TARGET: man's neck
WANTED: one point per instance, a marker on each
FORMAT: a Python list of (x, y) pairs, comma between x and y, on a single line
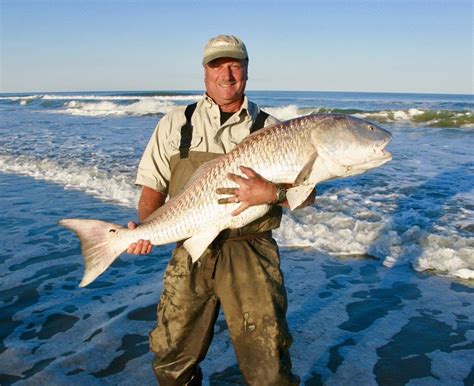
[(231, 107)]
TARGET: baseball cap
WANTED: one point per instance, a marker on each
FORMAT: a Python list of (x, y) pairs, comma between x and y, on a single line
[(224, 46)]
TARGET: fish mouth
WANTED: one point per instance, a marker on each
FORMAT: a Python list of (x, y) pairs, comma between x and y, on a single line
[(386, 155), (380, 152), (382, 157)]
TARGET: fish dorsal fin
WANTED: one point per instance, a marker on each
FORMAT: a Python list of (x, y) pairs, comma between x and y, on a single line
[(298, 194), (304, 174)]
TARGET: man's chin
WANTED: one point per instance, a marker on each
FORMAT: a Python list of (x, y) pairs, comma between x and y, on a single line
[(227, 98), (227, 93)]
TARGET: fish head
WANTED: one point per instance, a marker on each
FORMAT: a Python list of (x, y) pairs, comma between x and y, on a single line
[(350, 145)]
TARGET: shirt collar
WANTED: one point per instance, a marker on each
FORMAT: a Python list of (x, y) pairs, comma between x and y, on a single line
[(244, 108)]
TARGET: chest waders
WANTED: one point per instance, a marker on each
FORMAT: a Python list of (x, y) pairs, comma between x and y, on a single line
[(240, 271)]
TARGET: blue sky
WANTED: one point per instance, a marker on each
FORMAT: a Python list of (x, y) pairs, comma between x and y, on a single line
[(385, 46)]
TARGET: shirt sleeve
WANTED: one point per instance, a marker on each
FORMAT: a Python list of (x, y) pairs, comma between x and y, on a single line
[(154, 168)]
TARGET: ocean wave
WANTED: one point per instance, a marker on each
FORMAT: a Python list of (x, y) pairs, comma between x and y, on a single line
[(21, 100), (106, 185), (103, 105), (158, 103), (427, 118), (128, 97), (121, 97), (144, 107), (284, 113), (414, 116)]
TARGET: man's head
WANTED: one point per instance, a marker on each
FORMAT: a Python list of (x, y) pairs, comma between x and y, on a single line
[(225, 64), (224, 46)]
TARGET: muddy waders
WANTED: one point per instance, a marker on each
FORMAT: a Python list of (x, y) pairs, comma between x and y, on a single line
[(240, 272)]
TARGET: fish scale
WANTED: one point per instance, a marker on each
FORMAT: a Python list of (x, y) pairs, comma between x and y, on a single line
[(303, 152)]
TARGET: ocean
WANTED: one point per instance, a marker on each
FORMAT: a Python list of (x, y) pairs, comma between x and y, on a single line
[(379, 272)]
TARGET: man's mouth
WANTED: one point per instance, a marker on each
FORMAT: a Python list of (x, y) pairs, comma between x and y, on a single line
[(227, 84)]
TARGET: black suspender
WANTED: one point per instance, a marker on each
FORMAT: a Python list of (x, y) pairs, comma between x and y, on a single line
[(187, 132), (259, 121), (187, 129)]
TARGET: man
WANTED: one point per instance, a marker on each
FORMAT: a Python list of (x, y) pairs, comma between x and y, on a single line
[(240, 270)]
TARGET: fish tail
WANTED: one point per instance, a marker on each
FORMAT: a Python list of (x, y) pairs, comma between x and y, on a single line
[(101, 244)]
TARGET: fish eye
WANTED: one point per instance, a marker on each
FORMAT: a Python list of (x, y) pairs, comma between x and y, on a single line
[(371, 128)]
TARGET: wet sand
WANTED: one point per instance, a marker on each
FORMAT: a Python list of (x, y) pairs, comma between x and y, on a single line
[(354, 321)]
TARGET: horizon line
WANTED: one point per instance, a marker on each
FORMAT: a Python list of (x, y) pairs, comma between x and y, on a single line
[(248, 90)]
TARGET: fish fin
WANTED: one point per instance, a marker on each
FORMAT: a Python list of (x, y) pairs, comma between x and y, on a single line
[(304, 174), (197, 244), (100, 245), (298, 194)]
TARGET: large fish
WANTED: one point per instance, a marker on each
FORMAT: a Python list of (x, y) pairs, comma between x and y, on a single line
[(302, 152)]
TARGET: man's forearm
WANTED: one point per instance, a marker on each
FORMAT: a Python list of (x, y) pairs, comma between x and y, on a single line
[(150, 200)]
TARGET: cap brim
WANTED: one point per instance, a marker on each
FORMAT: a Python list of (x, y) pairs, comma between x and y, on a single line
[(223, 54)]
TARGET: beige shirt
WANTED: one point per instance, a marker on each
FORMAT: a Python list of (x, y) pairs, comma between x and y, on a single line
[(208, 136)]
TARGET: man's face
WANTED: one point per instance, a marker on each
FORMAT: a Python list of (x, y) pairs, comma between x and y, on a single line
[(225, 80)]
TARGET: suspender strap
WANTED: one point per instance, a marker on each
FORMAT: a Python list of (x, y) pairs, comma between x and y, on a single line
[(259, 121), (187, 129), (187, 132)]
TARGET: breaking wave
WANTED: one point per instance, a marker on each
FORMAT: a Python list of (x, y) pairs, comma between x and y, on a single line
[(425, 118), (104, 184), (130, 104), (433, 113)]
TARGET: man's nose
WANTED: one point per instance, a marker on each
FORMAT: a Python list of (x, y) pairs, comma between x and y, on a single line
[(227, 73)]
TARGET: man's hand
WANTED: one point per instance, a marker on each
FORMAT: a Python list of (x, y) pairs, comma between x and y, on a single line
[(150, 200), (141, 247), (253, 190)]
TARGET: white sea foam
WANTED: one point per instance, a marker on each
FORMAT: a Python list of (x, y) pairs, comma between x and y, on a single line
[(123, 97), (284, 113), (391, 115), (345, 222), (98, 183), (20, 98), (108, 108), (347, 228), (451, 254), (91, 97)]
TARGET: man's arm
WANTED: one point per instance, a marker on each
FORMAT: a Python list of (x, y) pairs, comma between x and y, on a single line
[(150, 200)]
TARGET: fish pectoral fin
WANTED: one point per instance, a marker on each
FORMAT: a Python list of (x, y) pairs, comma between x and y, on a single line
[(197, 244), (304, 174), (298, 194)]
